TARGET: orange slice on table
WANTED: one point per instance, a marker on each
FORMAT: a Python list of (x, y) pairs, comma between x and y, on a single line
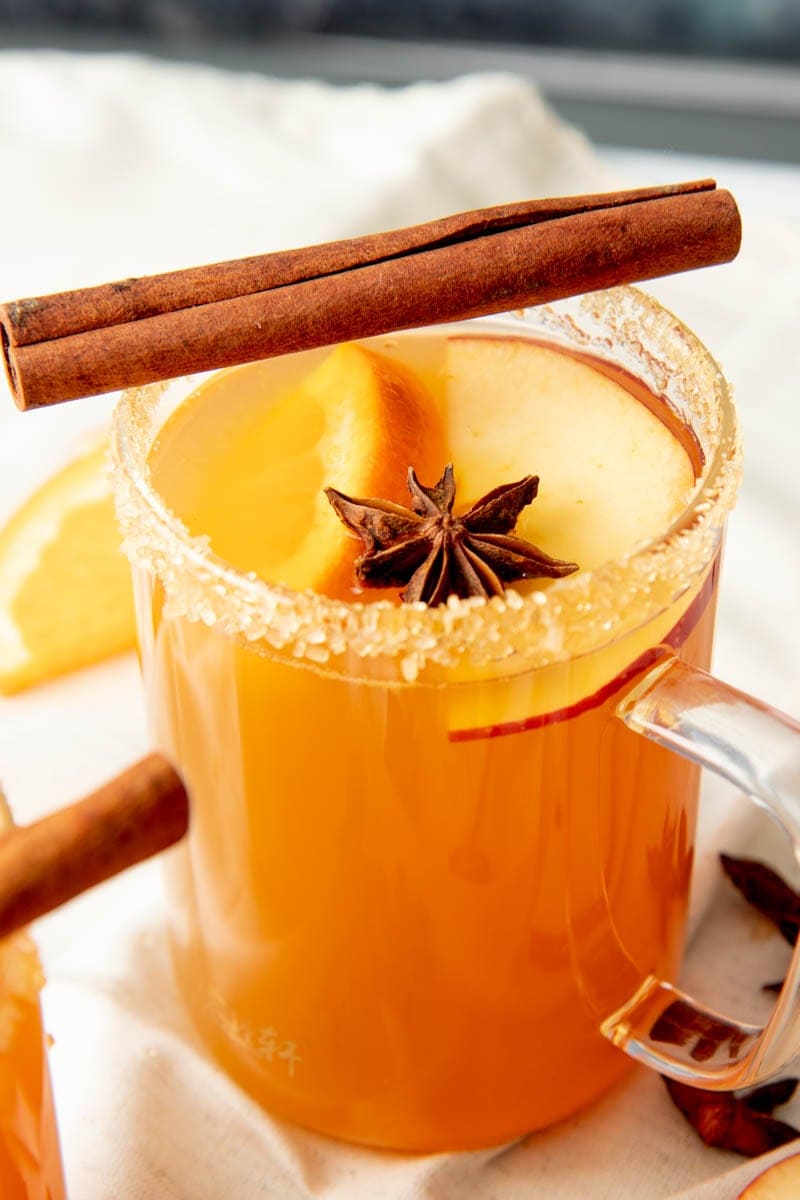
[(65, 589), (356, 423)]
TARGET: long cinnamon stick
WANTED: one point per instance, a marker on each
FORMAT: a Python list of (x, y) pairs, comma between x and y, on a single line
[(139, 813), (67, 313), (136, 331)]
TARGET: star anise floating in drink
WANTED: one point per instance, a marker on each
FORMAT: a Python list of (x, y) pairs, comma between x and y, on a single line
[(432, 553)]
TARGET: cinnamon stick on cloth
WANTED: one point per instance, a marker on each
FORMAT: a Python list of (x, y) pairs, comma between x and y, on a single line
[(491, 260), (137, 814)]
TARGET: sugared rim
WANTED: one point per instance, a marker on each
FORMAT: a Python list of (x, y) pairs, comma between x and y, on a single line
[(570, 617)]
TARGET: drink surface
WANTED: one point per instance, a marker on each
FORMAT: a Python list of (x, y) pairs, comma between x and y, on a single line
[(30, 1164), (241, 461), (403, 910)]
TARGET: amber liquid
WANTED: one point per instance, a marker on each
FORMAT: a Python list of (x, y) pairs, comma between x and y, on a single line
[(30, 1163), (402, 925)]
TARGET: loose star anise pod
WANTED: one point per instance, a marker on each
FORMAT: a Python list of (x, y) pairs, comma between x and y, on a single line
[(770, 894), (765, 890), (436, 554), (742, 1123)]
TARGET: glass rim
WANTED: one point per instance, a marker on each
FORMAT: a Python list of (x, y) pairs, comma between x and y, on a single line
[(569, 617)]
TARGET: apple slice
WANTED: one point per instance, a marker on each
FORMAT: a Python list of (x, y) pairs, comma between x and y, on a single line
[(498, 707), (611, 473), (779, 1182)]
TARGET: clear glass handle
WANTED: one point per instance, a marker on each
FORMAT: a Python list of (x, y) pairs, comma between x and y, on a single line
[(757, 748)]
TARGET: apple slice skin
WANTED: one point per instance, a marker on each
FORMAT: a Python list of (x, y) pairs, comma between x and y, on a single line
[(779, 1182), (674, 639)]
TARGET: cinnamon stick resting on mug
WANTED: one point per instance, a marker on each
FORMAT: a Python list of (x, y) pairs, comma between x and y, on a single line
[(133, 816), (491, 260)]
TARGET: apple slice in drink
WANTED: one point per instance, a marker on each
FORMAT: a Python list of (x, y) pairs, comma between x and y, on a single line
[(612, 475), (498, 707)]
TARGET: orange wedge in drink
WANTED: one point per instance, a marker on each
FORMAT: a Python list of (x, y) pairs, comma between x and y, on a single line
[(65, 590), (356, 422)]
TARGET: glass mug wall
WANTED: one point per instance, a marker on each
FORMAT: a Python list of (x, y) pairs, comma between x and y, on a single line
[(434, 869)]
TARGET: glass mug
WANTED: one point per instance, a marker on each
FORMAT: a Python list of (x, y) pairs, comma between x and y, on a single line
[(391, 926)]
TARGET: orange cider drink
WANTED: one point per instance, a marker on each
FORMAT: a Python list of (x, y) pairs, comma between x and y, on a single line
[(30, 1162), (421, 842)]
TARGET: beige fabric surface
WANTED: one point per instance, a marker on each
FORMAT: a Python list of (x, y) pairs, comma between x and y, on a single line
[(119, 166)]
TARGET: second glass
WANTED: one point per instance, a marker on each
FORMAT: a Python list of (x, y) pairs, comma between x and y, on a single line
[(30, 1160)]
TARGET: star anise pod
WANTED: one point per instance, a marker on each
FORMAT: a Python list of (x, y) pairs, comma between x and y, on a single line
[(767, 891), (770, 894), (436, 554), (743, 1122)]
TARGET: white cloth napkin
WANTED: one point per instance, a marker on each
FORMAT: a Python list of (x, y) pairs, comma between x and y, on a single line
[(116, 166)]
